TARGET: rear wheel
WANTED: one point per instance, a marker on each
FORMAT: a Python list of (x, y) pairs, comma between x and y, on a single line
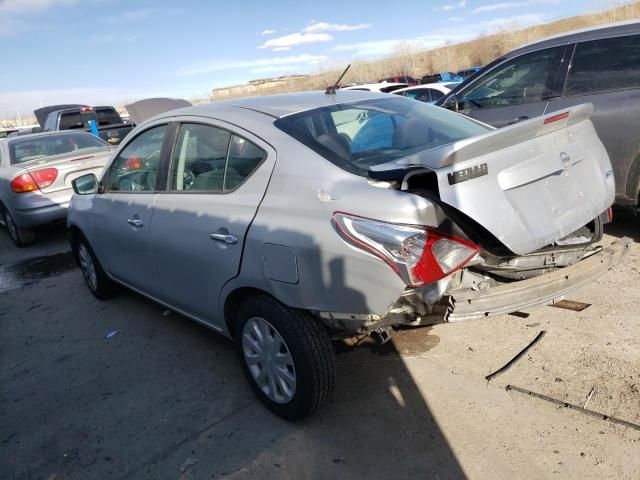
[(286, 355), (100, 285), (21, 236)]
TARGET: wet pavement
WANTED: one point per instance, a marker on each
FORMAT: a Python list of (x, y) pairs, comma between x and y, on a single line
[(26, 272)]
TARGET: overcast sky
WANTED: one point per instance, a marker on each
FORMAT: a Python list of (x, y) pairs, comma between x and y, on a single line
[(110, 51)]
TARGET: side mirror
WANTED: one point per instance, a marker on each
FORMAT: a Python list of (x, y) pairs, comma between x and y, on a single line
[(451, 103), (85, 185)]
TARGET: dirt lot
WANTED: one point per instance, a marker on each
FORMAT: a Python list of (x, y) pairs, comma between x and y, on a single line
[(165, 398)]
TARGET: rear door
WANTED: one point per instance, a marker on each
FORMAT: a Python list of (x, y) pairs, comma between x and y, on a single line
[(515, 90), (217, 178), (122, 213), (606, 73)]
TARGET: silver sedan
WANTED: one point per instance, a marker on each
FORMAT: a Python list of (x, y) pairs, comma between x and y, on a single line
[(285, 221), (36, 172)]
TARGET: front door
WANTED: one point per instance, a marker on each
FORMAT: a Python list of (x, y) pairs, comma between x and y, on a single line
[(515, 90), (216, 182), (123, 212)]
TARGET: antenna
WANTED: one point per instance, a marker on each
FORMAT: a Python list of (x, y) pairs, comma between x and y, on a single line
[(331, 90)]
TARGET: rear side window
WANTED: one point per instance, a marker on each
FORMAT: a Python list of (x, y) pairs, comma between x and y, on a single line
[(211, 159), (244, 158), (604, 65)]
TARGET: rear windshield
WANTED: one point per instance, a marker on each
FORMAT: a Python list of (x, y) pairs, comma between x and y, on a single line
[(34, 148), (357, 136)]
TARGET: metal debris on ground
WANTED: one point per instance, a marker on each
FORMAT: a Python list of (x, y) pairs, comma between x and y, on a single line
[(520, 314), (570, 305), (111, 334), (589, 397), (166, 313), (555, 401), (190, 461), (517, 357)]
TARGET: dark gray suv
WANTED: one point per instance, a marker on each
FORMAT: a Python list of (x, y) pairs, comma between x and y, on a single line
[(599, 66)]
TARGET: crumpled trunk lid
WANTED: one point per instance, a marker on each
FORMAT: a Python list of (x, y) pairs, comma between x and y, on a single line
[(529, 184)]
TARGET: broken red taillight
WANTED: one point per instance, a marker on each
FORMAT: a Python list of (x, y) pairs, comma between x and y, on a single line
[(419, 255)]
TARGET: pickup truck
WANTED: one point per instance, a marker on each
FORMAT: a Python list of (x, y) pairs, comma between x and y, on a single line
[(111, 128)]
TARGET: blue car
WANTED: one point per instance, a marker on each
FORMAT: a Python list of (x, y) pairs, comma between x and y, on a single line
[(447, 77)]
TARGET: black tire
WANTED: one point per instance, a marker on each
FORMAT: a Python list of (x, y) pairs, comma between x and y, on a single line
[(21, 237), (101, 286), (310, 350)]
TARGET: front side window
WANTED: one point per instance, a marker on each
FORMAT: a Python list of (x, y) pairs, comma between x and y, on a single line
[(604, 65), (524, 79), (355, 136), (136, 167), (211, 159)]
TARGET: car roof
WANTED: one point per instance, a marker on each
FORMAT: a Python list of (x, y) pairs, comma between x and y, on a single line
[(585, 34), (278, 106)]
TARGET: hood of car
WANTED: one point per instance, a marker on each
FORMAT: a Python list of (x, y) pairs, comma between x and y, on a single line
[(141, 110)]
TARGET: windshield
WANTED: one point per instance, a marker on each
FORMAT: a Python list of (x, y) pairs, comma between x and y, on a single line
[(38, 147), (357, 136)]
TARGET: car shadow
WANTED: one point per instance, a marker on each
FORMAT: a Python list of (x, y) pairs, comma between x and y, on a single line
[(625, 224)]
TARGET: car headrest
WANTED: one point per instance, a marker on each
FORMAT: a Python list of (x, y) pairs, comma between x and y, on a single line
[(336, 143), (411, 133)]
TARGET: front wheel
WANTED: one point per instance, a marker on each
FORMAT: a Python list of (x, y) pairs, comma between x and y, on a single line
[(286, 355), (100, 285)]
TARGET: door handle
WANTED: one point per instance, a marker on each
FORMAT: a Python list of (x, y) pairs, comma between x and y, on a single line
[(224, 238), (136, 222)]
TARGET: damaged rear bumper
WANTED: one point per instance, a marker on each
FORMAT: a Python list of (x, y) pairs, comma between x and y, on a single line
[(471, 304)]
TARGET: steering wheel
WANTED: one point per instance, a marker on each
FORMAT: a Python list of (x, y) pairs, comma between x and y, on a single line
[(153, 157)]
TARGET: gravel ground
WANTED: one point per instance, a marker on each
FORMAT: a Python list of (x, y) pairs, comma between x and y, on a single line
[(165, 398)]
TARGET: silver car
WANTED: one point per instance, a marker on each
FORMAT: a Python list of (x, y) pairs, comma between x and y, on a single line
[(285, 221), (35, 177)]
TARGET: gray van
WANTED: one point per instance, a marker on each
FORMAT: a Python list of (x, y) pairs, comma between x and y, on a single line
[(600, 66)]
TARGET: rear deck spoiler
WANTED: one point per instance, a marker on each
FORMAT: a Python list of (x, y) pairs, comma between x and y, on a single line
[(476, 146)]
